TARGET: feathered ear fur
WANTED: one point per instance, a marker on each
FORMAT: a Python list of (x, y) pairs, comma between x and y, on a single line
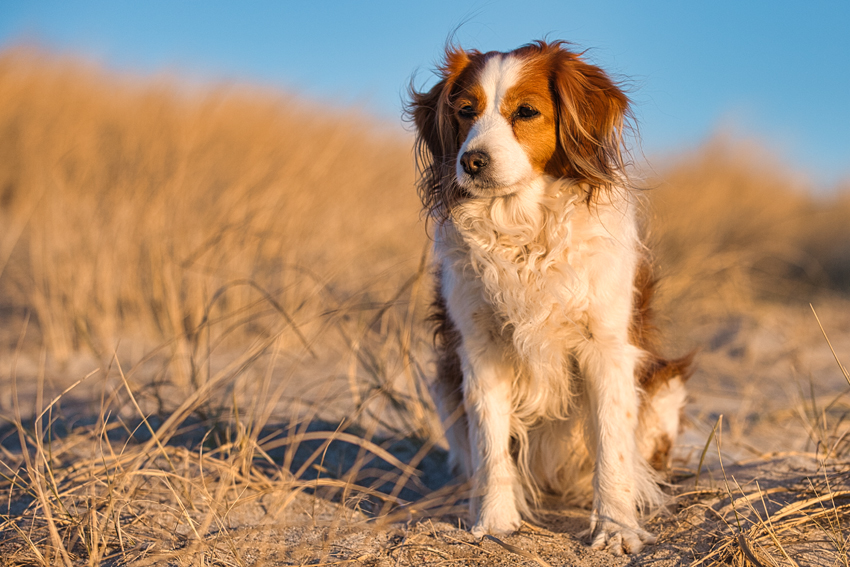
[(591, 114), (436, 136)]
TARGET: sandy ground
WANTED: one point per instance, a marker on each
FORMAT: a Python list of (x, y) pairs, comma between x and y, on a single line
[(698, 523), (699, 528), (767, 373)]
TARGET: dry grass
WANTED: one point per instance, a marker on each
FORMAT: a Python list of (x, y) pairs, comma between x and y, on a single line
[(128, 489), (142, 211), (239, 276), (733, 227)]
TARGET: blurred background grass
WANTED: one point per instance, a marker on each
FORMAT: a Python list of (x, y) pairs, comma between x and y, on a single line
[(126, 207), (139, 210)]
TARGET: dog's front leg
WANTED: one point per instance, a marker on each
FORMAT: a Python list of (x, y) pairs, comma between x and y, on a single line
[(487, 382), (621, 479), (488, 376)]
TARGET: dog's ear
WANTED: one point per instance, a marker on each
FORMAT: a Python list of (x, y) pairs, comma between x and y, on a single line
[(591, 113), (431, 111), (427, 111), (436, 131)]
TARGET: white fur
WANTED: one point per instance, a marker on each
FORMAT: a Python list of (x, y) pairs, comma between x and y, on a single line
[(537, 282)]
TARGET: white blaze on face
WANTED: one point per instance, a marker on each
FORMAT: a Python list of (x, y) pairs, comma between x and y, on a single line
[(493, 134)]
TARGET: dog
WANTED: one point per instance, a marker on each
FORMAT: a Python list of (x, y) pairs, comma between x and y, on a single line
[(549, 378)]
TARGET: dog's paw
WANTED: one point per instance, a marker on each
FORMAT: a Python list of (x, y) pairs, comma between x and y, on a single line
[(619, 539), (500, 522)]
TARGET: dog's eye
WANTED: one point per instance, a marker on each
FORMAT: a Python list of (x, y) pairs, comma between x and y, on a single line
[(525, 112), (467, 111)]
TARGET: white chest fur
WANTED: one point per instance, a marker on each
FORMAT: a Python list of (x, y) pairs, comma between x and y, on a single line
[(524, 270)]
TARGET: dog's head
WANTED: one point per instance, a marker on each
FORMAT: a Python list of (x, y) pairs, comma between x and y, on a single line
[(495, 122)]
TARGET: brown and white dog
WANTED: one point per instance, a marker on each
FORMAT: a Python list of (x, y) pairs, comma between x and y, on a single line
[(549, 378)]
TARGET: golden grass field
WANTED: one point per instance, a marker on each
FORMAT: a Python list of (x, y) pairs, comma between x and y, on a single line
[(212, 303)]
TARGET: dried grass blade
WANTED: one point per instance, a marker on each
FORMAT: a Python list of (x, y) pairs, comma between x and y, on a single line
[(330, 436), (742, 543), (822, 330), (705, 450), (519, 551)]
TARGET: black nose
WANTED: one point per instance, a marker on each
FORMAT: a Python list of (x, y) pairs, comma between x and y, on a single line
[(474, 162)]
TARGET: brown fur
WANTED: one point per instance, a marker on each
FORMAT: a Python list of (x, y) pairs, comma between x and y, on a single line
[(446, 342), (448, 383), (655, 370), (539, 136)]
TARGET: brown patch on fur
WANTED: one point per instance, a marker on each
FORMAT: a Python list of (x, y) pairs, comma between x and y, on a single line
[(467, 91), (655, 371), (592, 111), (441, 130), (661, 454), (437, 134), (448, 383), (537, 135)]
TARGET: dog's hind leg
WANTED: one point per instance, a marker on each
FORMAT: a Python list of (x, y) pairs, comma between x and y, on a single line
[(662, 381), (660, 414)]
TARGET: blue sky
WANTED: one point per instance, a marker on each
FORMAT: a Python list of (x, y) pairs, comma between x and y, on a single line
[(778, 71)]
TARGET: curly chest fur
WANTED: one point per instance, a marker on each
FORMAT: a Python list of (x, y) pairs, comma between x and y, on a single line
[(526, 273)]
